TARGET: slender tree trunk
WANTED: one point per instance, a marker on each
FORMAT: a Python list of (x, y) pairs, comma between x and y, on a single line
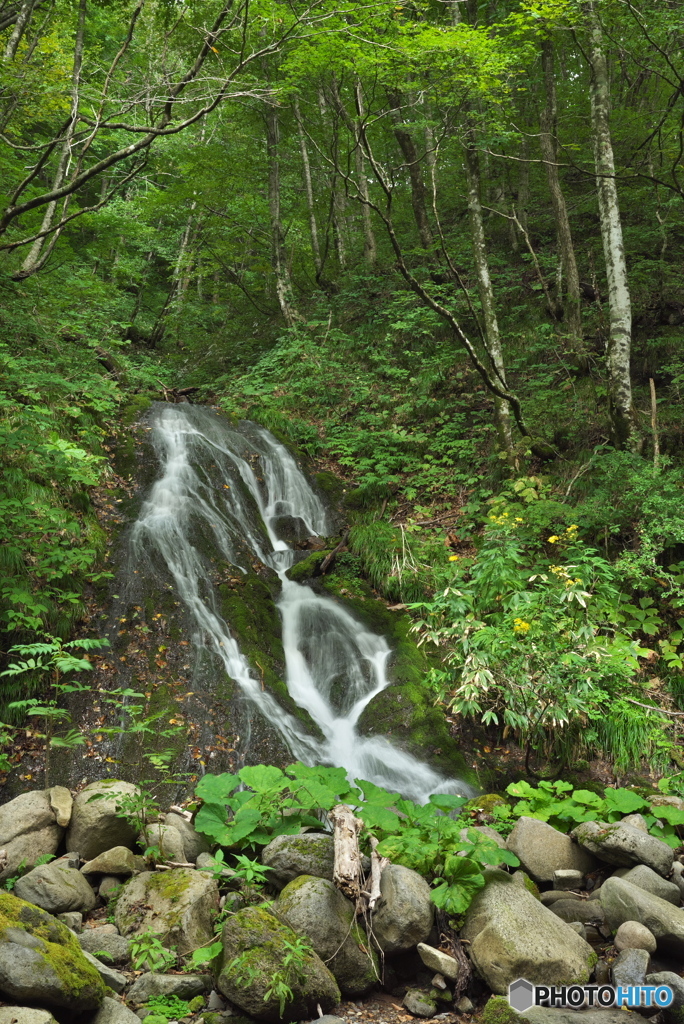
[(486, 293), (308, 186), (410, 154), (619, 304), (40, 251), (278, 256), (182, 268), (547, 140), (17, 33), (370, 251)]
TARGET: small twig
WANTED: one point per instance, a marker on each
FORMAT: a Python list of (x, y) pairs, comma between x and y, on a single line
[(650, 707)]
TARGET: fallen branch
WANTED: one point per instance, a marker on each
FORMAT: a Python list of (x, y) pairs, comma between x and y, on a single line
[(347, 872), (378, 864)]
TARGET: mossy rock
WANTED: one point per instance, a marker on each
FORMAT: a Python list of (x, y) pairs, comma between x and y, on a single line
[(499, 1011), (41, 960), (177, 905), (255, 945), (486, 803)]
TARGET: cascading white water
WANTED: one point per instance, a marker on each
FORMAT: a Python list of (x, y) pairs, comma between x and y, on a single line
[(334, 666)]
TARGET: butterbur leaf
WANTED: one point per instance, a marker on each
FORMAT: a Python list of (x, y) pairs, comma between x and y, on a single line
[(447, 801), (244, 823), (673, 815), (378, 817), (211, 821), (373, 794), (263, 777), (215, 789), (624, 801)]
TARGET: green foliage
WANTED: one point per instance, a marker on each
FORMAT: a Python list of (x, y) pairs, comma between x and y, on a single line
[(167, 1007), (426, 839), (149, 954), (297, 954)]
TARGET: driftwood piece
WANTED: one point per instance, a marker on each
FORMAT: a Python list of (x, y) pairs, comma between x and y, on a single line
[(347, 874), (329, 559), (378, 864)]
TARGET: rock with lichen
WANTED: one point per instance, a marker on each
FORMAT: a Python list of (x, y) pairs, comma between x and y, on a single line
[(176, 905)]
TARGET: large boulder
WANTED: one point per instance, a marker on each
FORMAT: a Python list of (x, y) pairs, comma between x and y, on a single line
[(646, 878), (623, 901), (177, 905), (193, 842), (624, 845), (57, 888), (511, 935), (24, 1015), (30, 828), (41, 961), (543, 850), (112, 949), (184, 986), (404, 913), (290, 856), (96, 821), (114, 1012), (316, 908), (118, 861), (166, 839), (255, 944)]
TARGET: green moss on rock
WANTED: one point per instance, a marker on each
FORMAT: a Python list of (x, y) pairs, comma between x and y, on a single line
[(498, 1011)]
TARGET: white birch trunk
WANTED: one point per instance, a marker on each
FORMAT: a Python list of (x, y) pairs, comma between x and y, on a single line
[(619, 344)]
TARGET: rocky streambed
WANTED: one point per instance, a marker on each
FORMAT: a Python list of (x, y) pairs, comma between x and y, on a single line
[(602, 904)]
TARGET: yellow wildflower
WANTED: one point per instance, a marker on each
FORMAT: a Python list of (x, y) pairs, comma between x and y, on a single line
[(554, 539), (454, 558), (518, 519), (520, 626)]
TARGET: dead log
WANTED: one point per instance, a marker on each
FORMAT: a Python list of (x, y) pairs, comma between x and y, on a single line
[(329, 559), (347, 873), (378, 864)]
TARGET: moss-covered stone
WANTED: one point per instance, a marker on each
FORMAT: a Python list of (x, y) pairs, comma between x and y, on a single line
[(41, 961), (176, 905), (486, 803), (253, 964), (498, 1011)]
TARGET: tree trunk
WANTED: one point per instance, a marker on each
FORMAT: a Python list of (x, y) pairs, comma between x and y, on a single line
[(278, 257), (410, 154), (619, 304), (39, 253), (370, 250), (20, 24), (306, 166), (486, 293), (547, 141)]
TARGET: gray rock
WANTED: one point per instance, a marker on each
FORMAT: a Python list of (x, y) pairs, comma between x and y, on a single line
[(512, 936), (41, 961), (23, 1015), (185, 986), (316, 908), (72, 919), (178, 905), (96, 825), (586, 911), (109, 886), (483, 830), (194, 842), (28, 830), (623, 902), (553, 895), (630, 967), (420, 1002), (113, 979), (439, 982), (632, 935), (117, 861), (404, 913), (116, 948), (329, 1018), (578, 927), (206, 862), (548, 1015), (675, 982), (464, 1005), (666, 800), (259, 937), (542, 850), (56, 888), (624, 845), (290, 856), (567, 878), (167, 839), (113, 1012), (647, 879), (636, 821), (215, 1002), (436, 960)]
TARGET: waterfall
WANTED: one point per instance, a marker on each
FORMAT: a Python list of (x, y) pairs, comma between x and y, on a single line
[(239, 487)]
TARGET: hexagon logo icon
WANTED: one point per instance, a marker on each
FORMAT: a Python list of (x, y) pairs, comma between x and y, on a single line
[(521, 994)]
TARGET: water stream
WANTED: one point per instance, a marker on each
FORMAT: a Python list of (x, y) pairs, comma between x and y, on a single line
[(241, 487)]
